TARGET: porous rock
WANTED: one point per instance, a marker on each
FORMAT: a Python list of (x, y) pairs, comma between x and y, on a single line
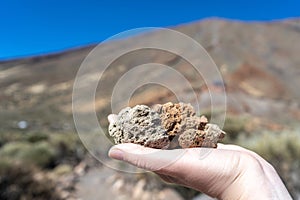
[(139, 125), (165, 125)]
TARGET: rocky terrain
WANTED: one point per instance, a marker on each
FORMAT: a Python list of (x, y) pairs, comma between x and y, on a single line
[(260, 65)]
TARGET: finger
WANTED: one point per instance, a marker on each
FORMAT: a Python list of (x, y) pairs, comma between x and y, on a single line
[(147, 158)]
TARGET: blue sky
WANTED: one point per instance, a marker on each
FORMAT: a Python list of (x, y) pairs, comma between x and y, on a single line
[(32, 27)]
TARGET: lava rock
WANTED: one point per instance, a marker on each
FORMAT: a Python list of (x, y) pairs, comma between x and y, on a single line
[(164, 126), (139, 125)]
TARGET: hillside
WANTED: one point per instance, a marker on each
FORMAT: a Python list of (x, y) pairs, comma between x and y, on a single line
[(260, 63)]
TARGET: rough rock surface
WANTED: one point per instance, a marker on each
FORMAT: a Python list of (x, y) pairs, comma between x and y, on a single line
[(167, 125), (139, 125)]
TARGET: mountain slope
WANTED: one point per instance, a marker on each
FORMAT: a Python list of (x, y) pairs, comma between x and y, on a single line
[(258, 61)]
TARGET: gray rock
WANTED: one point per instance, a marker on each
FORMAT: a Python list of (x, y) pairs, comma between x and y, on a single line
[(139, 125)]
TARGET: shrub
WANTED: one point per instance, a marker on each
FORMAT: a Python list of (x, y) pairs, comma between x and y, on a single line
[(35, 137), (13, 136), (40, 153), (234, 125), (24, 182), (277, 147), (43, 149), (6, 137), (68, 147)]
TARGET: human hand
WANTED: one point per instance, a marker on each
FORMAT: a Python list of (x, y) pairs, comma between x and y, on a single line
[(228, 172)]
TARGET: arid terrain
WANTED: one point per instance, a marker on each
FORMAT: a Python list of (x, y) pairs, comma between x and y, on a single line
[(260, 65)]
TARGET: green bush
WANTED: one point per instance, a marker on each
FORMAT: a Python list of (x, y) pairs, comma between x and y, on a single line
[(13, 136), (20, 182), (68, 147), (35, 137), (235, 125), (6, 137), (23, 155), (40, 153), (277, 147), (43, 149)]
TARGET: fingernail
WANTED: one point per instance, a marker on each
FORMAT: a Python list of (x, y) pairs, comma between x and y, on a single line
[(116, 154)]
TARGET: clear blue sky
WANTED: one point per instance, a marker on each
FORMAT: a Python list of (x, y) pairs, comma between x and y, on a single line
[(31, 27)]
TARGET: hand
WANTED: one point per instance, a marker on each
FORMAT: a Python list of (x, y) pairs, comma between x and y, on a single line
[(228, 172)]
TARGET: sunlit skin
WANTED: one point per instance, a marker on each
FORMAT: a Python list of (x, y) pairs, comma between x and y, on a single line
[(227, 172)]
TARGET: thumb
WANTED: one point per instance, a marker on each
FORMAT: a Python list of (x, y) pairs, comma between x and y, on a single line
[(146, 158)]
